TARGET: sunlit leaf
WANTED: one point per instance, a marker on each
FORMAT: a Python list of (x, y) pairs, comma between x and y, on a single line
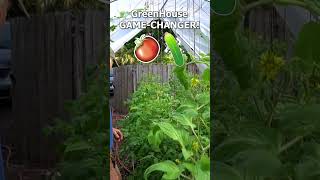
[(189, 166), (186, 154), (185, 119), (170, 131), (206, 75), (186, 106), (170, 169), (177, 135), (205, 163), (201, 173), (154, 138)]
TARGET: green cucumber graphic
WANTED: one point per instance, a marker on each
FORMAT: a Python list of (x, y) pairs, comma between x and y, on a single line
[(175, 49)]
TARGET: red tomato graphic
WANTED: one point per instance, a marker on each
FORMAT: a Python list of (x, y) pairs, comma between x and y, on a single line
[(147, 49)]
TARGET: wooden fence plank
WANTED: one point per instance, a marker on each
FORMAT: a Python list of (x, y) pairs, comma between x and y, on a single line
[(52, 81), (36, 63)]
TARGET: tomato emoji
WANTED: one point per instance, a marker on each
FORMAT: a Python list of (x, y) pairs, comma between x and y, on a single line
[(147, 48)]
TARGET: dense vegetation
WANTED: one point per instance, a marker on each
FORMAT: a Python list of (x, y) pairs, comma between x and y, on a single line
[(84, 151), (266, 114), (167, 129), (266, 123)]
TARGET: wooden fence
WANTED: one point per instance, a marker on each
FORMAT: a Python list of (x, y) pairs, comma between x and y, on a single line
[(127, 78), (49, 56), (266, 22), (273, 22), (278, 23)]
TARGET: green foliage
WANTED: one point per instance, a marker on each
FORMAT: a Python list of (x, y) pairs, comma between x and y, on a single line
[(112, 28), (152, 102), (166, 58), (227, 36), (270, 129), (125, 56), (171, 170), (175, 121), (182, 76), (188, 125), (229, 47), (84, 134), (307, 45)]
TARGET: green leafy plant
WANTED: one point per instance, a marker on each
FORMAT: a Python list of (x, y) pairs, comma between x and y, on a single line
[(166, 58), (156, 106), (188, 126), (151, 103), (266, 124), (84, 135), (227, 33)]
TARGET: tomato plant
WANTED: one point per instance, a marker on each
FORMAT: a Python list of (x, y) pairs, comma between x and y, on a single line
[(188, 125), (266, 123), (168, 127), (150, 103)]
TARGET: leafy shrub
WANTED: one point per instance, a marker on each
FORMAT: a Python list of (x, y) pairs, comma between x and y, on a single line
[(266, 128), (187, 126), (84, 134), (168, 127), (151, 103), (154, 108)]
